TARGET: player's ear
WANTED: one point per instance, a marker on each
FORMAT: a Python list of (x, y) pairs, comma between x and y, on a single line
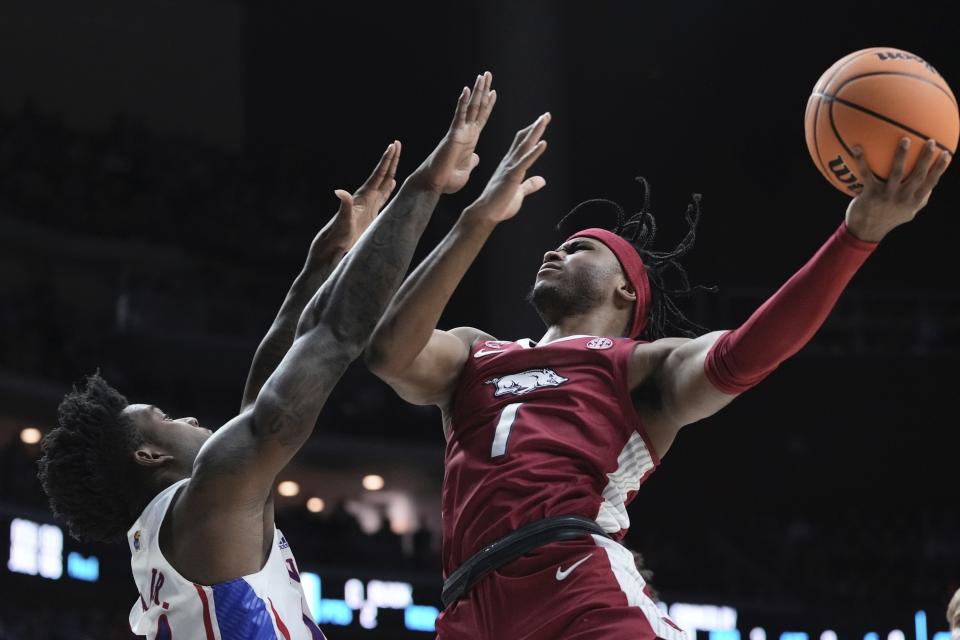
[(626, 295), (148, 455)]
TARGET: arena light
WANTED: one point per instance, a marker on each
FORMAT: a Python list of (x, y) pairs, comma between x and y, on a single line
[(35, 549), (390, 595), (315, 505), (288, 488), (335, 612), (373, 482), (758, 633), (80, 568), (30, 435), (828, 635), (354, 594), (368, 616), (896, 634), (704, 617), (920, 625), (420, 618)]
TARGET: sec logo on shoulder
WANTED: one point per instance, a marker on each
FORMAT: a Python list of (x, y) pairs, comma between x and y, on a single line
[(600, 343)]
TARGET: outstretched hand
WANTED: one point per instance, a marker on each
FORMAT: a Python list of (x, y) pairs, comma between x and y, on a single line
[(883, 206), (358, 210), (448, 167), (508, 186)]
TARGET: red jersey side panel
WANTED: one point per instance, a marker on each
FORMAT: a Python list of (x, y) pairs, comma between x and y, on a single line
[(540, 432)]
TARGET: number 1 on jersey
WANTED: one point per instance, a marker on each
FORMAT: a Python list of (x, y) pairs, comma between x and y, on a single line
[(502, 432)]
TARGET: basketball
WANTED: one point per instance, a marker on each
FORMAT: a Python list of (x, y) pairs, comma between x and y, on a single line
[(872, 98)]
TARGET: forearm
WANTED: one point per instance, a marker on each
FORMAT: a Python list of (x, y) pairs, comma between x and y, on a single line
[(353, 299), (409, 322), (324, 256), (785, 323)]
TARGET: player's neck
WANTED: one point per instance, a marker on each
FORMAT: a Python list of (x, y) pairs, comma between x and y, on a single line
[(592, 324)]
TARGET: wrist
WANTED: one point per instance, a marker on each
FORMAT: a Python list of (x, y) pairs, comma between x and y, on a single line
[(479, 217), (421, 180), (865, 231), (326, 249)]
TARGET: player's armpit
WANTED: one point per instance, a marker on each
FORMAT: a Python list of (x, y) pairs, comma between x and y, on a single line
[(674, 369), (432, 376)]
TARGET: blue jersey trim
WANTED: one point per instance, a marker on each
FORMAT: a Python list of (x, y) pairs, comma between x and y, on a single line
[(241, 614)]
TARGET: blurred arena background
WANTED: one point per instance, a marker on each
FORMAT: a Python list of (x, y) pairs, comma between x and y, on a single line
[(165, 164)]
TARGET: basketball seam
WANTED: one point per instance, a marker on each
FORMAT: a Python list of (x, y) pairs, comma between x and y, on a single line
[(880, 116), (836, 133), (953, 98), (816, 139)]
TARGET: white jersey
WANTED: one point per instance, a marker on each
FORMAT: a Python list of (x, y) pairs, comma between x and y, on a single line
[(266, 605)]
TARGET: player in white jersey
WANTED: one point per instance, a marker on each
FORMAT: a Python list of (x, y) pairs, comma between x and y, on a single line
[(197, 507)]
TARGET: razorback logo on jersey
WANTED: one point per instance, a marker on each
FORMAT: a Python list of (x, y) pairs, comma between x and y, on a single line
[(518, 384), (600, 343)]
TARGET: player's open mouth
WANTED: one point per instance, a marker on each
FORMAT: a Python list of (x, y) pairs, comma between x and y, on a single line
[(548, 267)]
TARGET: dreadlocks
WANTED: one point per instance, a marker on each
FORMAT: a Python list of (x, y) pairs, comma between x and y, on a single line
[(640, 230), (87, 466)]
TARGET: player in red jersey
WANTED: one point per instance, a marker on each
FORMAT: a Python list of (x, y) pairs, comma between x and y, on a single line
[(548, 441)]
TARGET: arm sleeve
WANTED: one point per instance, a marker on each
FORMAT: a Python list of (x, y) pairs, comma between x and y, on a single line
[(785, 323)]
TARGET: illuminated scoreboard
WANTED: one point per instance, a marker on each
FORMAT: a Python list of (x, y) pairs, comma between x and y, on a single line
[(37, 550), (371, 605)]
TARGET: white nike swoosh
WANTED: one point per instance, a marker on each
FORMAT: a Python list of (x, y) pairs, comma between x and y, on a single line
[(484, 352), (562, 575)]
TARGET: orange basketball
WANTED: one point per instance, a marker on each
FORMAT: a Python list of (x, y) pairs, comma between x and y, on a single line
[(872, 98)]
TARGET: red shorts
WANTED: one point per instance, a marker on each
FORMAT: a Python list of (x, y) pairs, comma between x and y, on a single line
[(572, 590)]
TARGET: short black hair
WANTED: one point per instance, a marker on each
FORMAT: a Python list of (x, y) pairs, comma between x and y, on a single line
[(87, 467), (666, 318)]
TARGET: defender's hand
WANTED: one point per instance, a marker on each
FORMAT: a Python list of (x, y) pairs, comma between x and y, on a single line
[(448, 168), (508, 186), (358, 211), (883, 206)]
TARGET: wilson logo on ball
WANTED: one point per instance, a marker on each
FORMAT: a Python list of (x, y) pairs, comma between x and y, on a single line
[(844, 175)]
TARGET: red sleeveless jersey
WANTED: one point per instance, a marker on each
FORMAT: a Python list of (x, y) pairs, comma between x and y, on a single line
[(538, 432)]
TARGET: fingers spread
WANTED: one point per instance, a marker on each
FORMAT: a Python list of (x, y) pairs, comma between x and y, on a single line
[(473, 108), (534, 133), (346, 200), (924, 163), (867, 178), (933, 176), (394, 160), (531, 156), (899, 162), (486, 108), (533, 184), (460, 115)]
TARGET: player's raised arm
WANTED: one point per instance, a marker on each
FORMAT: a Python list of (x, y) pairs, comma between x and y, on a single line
[(355, 214), (700, 376), (406, 351), (245, 455)]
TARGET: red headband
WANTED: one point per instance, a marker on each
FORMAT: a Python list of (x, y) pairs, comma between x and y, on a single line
[(633, 269)]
